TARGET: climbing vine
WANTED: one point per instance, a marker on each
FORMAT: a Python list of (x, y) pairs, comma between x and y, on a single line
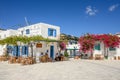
[(24, 39)]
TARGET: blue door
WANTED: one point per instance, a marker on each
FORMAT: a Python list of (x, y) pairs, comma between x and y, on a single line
[(15, 51), (9, 50), (18, 51), (52, 52), (25, 50)]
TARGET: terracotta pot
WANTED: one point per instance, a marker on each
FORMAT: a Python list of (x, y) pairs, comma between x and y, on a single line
[(115, 58), (76, 57), (118, 57), (43, 59)]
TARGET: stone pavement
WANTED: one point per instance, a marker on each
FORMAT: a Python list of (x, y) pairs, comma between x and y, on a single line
[(66, 70)]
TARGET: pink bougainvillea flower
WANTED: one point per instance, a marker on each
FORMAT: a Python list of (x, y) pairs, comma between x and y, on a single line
[(87, 41)]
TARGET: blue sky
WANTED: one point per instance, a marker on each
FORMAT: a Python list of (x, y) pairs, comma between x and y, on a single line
[(75, 17)]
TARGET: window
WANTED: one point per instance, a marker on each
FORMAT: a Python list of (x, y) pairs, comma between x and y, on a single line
[(97, 47), (22, 32), (112, 49), (27, 31), (51, 32), (75, 42)]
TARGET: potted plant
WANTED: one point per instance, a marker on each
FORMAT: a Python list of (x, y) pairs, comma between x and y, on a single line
[(66, 55)]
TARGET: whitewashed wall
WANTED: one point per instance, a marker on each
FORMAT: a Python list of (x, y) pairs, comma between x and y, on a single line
[(3, 48), (118, 51), (34, 30), (101, 51), (44, 31), (8, 33), (40, 29), (45, 46)]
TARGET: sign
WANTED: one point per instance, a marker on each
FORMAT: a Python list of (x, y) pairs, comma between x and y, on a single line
[(39, 45)]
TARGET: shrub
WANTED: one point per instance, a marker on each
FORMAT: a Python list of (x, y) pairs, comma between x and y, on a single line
[(66, 54)]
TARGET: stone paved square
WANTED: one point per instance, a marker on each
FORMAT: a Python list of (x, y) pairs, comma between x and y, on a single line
[(66, 70)]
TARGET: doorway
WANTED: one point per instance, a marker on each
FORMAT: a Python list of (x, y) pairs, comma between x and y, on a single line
[(52, 52)]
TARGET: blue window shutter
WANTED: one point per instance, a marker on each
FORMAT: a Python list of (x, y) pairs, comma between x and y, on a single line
[(55, 33), (14, 50), (27, 31), (48, 31), (9, 50), (26, 50), (97, 47), (18, 50), (23, 50), (112, 49)]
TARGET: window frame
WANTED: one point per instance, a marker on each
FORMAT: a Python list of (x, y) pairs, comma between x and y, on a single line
[(51, 32), (112, 49), (27, 31)]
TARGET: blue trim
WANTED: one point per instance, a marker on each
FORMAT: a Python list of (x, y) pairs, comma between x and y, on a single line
[(23, 50), (9, 49), (27, 31), (18, 51), (51, 32), (48, 31), (15, 51), (97, 47), (54, 33), (26, 50), (52, 52), (112, 48)]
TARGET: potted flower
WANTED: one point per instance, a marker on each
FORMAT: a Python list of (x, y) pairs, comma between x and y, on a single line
[(66, 55)]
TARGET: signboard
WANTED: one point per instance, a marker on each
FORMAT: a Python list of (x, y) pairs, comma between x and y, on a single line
[(39, 45)]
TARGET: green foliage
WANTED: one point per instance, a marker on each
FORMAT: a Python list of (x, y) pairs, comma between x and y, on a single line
[(68, 37), (14, 39), (66, 54)]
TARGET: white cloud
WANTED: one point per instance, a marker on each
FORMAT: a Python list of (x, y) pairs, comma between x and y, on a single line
[(113, 7), (91, 11)]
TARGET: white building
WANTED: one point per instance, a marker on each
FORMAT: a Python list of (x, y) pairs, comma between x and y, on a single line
[(41, 29), (109, 52), (73, 48), (8, 33)]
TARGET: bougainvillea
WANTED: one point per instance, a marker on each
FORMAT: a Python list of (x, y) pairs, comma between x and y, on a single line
[(62, 46), (87, 42)]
